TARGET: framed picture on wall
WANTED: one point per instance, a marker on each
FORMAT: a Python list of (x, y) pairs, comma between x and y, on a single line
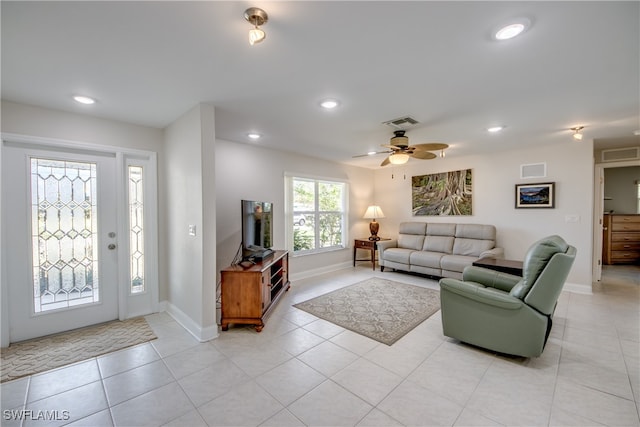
[(447, 193), (540, 195)]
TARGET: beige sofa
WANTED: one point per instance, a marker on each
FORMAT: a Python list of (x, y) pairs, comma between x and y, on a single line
[(438, 249)]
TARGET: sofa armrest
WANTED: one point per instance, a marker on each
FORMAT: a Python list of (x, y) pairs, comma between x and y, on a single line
[(490, 278), (382, 246), (480, 294), (497, 253)]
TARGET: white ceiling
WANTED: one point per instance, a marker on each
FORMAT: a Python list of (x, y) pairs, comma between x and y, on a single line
[(150, 62)]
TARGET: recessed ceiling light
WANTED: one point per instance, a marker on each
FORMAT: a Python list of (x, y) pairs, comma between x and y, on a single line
[(329, 104), (494, 129), (509, 32), (254, 135), (371, 153), (84, 100), (513, 29)]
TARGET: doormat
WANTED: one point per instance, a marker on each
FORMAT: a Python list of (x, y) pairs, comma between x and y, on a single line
[(377, 308), (53, 351)]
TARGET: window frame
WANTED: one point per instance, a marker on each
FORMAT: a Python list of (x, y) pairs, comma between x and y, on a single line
[(290, 212)]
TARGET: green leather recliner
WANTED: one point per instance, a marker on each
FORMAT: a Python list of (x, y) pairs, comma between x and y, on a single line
[(507, 313)]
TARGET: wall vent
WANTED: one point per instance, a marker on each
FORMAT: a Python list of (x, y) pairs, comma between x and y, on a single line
[(401, 123), (533, 170), (620, 154)]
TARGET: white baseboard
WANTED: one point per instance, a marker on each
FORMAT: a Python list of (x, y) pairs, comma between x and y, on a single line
[(577, 288), (322, 270), (201, 334)]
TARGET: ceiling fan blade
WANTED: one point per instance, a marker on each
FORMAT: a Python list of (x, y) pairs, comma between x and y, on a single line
[(372, 154), (423, 155), (385, 162), (434, 146), (393, 147)]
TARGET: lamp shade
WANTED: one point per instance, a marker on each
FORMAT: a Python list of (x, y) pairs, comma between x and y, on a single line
[(373, 211), (256, 35)]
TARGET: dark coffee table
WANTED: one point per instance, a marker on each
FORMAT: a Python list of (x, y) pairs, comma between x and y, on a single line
[(503, 265)]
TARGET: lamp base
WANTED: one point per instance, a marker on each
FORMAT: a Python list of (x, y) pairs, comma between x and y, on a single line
[(373, 228)]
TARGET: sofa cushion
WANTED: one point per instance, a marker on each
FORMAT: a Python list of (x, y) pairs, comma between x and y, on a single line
[(456, 262), (426, 259), (425, 270), (471, 247), (442, 244), (413, 228), (441, 229), (476, 231), (411, 241), (400, 255)]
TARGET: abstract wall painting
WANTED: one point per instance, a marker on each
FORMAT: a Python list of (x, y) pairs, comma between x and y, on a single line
[(442, 194)]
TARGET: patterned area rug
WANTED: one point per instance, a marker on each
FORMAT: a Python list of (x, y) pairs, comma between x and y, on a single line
[(41, 354), (380, 309)]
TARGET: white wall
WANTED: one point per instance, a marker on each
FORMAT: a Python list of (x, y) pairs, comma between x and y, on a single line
[(251, 172), (54, 124), (189, 190), (570, 166)]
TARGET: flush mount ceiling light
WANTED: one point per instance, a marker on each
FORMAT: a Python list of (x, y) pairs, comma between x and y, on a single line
[(513, 29), (84, 100), (576, 132), (329, 104), (256, 17)]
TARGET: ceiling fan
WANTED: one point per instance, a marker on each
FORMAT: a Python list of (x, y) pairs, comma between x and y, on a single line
[(400, 150)]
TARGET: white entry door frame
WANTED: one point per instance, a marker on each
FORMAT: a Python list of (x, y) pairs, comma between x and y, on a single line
[(128, 225)]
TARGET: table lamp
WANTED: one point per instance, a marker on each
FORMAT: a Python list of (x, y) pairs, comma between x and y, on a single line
[(374, 212)]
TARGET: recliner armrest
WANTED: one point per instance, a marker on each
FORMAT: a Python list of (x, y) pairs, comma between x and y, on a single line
[(490, 278), (479, 293)]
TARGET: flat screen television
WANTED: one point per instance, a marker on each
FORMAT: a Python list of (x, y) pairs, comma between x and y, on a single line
[(257, 229)]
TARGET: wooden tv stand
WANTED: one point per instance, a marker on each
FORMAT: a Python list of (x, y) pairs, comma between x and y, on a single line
[(249, 294)]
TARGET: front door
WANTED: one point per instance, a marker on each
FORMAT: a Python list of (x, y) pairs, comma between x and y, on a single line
[(61, 239)]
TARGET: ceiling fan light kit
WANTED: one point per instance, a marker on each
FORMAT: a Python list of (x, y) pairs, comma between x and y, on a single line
[(398, 158)]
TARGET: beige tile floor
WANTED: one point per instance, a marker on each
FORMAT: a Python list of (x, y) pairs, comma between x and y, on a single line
[(301, 370)]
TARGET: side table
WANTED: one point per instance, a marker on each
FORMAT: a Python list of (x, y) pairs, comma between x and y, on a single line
[(503, 265), (369, 245)]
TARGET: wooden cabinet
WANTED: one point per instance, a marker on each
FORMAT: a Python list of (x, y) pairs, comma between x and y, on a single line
[(621, 237), (248, 294)]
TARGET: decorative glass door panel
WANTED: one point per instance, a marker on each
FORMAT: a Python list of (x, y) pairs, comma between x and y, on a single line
[(136, 229), (62, 268), (64, 234)]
